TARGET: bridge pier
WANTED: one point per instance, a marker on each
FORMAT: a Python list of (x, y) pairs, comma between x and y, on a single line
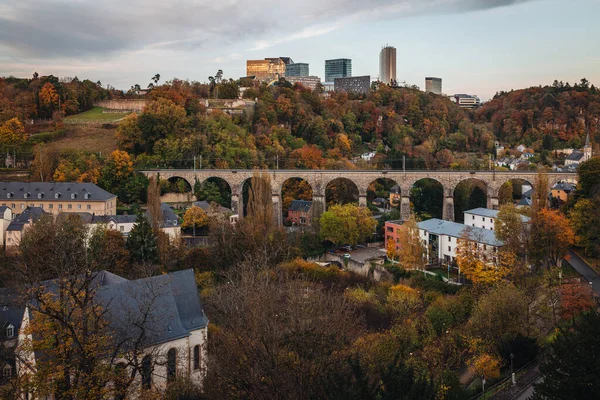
[(493, 202), (448, 208), (237, 205), (362, 200), (405, 208), (277, 209), (319, 206)]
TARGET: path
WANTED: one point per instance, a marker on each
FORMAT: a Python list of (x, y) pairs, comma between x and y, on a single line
[(585, 270)]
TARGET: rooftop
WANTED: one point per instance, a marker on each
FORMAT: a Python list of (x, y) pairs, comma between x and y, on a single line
[(487, 212), (59, 191), (439, 227), (300, 205)]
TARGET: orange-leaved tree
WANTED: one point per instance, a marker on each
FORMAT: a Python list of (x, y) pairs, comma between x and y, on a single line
[(412, 253), (551, 237), (476, 263)]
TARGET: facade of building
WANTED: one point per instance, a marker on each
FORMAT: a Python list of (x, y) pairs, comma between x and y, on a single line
[(387, 64), (300, 212), (121, 223), (170, 221), (441, 238), (578, 156), (392, 232), (561, 191), (338, 68), (6, 217), (268, 69), (16, 229), (164, 311), (485, 218), (55, 198), (433, 85), (297, 69), (310, 82), (466, 100), (353, 84)]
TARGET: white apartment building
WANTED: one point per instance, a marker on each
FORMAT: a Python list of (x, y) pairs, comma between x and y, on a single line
[(484, 218), (441, 239)]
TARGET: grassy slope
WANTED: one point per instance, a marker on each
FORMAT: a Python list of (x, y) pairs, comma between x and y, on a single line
[(96, 114), (92, 138)]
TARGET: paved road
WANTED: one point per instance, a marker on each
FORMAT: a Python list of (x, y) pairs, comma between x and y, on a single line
[(588, 273), (527, 392)]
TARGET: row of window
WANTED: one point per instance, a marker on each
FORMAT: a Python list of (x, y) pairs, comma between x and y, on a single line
[(50, 206), (147, 366)]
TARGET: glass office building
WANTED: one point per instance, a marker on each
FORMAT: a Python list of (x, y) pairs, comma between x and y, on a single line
[(338, 68), (296, 69)]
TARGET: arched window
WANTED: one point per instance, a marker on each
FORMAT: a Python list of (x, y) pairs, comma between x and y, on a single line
[(7, 372), (10, 331), (196, 357), (171, 365), (147, 372)]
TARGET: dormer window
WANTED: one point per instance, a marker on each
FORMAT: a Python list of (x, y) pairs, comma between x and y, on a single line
[(57, 195), (10, 331), (9, 195), (40, 195), (87, 196), (73, 195), (27, 195)]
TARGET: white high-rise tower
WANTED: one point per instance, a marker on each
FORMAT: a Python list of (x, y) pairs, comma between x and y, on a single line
[(387, 64)]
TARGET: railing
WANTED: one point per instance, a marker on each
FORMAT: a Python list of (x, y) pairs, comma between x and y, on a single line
[(501, 384)]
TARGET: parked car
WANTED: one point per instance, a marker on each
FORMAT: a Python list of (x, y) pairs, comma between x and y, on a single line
[(346, 248)]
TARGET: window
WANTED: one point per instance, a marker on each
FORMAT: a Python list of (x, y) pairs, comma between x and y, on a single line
[(69, 206), (10, 331), (483, 218), (7, 372), (449, 239), (147, 372), (484, 247), (51, 206), (79, 206), (122, 228), (196, 357), (60, 206), (449, 248), (472, 217), (22, 206), (171, 365), (42, 206), (89, 207), (13, 205), (390, 229)]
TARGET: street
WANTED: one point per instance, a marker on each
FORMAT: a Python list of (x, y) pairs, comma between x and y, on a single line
[(585, 270)]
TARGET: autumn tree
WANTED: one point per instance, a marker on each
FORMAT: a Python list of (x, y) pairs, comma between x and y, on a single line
[(347, 224), (260, 201), (48, 96), (129, 134), (12, 133), (585, 221), (412, 253), (540, 194), (390, 248), (551, 237), (575, 299), (476, 263), (108, 247), (505, 194), (511, 228), (308, 157), (194, 217)]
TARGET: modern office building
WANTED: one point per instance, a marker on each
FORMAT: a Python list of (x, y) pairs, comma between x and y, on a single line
[(287, 60), (353, 84), (296, 69), (387, 64), (307, 81), (266, 70), (338, 68), (433, 85), (466, 100)]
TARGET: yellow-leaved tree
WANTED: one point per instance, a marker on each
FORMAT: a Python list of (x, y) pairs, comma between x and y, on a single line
[(391, 249), (476, 263), (412, 253), (347, 224), (12, 133), (194, 217)]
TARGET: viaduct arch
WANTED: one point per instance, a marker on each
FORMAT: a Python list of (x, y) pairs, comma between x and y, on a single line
[(319, 179)]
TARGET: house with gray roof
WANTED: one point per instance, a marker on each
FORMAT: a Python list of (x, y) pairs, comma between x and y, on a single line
[(169, 223), (16, 229), (300, 212), (57, 197), (442, 238), (485, 218), (161, 318)]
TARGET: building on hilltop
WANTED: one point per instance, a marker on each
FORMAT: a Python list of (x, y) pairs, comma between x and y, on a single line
[(297, 69), (579, 156), (353, 84), (158, 322), (337, 68), (268, 69), (310, 82), (466, 100), (433, 85), (57, 197), (387, 64)]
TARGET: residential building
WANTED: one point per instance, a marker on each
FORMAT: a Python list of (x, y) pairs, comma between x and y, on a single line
[(485, 218), (296, 69), (121, 223), (16, 229), (268, 69), (526, 198), (561, 191), (441, 239), (368, 156), (57, 197), (337, 68), (310, 82), (169, 223), (433, 85), (300, 212), (466, 100), (11, 315), (161, 317), (353, 84), (6, 217), (392, 232), (387, 64), (521, 148)]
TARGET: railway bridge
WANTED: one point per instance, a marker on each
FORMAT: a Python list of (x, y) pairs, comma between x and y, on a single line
[(319, 179)]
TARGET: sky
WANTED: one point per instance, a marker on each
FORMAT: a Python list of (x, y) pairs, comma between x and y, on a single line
[(476, 46)]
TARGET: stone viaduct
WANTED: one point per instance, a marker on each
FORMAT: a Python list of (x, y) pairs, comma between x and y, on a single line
[(319, 179)]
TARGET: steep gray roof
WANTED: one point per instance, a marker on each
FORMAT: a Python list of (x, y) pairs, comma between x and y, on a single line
[(454, 229), (119, 219), (576, 155), (300, 205), (29, 214), (49, 190), (11, 309), (565, 186), (169, 216), (487, 212)]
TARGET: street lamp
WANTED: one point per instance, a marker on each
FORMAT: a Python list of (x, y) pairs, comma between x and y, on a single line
[(512, 375)]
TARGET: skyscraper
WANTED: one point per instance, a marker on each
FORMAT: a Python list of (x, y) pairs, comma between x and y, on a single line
[(387, 64), (433, 85), (338, 68)]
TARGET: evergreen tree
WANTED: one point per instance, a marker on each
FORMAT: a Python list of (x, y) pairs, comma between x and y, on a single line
[(571, 369), (141, 243)]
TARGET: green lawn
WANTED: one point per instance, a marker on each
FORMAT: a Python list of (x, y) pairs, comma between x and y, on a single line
[(96, 114)]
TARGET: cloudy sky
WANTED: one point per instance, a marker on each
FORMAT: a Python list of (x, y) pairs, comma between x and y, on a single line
[(476, 46)]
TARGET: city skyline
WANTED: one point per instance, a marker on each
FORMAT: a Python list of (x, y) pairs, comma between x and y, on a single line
[(475, 48)]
